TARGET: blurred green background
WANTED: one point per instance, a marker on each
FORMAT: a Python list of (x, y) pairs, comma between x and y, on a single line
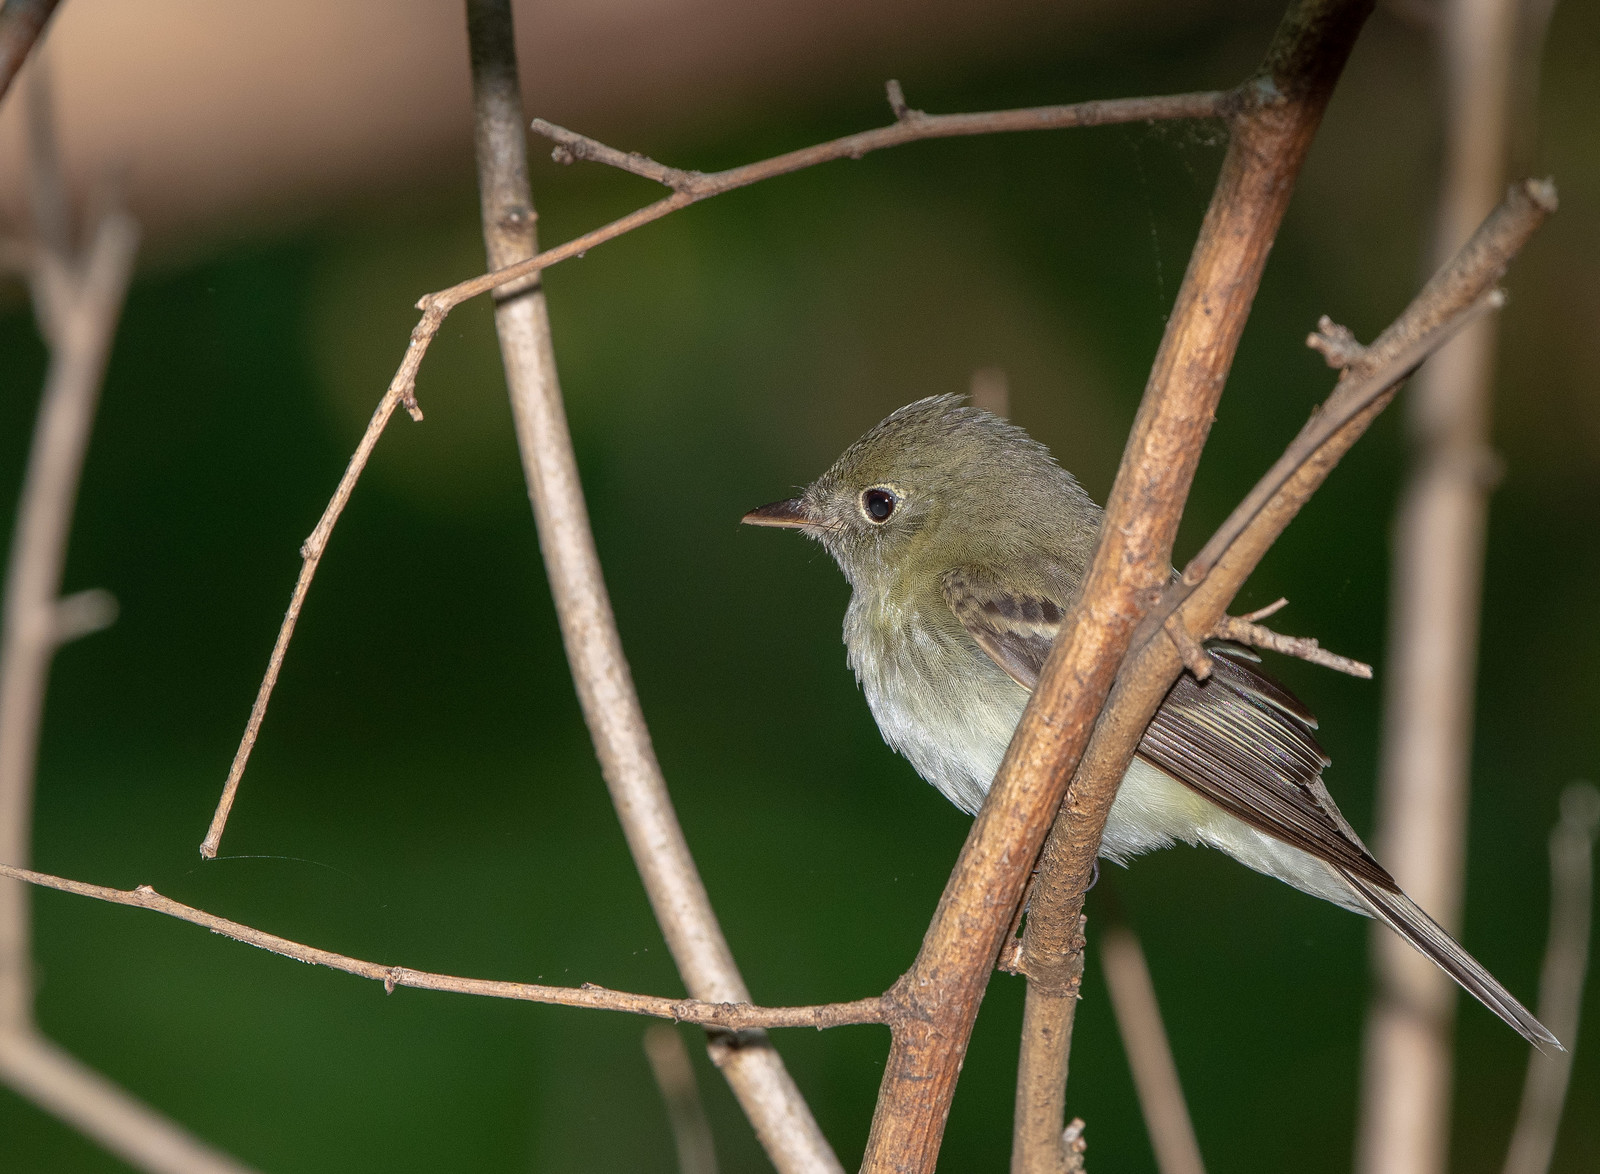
[(424, 792)]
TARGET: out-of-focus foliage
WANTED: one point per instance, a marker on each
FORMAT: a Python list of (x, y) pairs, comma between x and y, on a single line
[(424, 792)]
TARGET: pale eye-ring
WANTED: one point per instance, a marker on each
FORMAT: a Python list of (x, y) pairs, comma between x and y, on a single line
[(878, 503)]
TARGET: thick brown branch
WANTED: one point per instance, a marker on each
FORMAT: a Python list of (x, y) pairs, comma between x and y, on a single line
[(729, 1016), (1066, 863)]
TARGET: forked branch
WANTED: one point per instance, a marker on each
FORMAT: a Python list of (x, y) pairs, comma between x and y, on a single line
[(1458, 293), (689, 187)]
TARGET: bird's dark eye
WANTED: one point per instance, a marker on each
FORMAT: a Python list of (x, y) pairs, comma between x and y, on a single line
[(879, 504)]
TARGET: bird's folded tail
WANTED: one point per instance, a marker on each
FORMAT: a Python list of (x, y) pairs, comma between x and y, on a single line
[(1406, 918)]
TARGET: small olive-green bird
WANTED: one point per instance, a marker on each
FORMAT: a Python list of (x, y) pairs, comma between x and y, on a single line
[(964, 544)]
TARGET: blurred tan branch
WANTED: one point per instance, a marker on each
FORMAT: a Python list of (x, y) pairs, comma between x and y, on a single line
[(1144, 1039), (1436, 584), (729, 1016), (1561, 981), (78, 297), (674, 1073)]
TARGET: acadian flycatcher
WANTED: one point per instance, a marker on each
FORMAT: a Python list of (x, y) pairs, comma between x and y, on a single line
[(965, 544)]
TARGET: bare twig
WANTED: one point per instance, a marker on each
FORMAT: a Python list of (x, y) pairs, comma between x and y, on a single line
[(688, 188), (1561, 982), (610, 704), (1335, 343), (1439, 536), (734, 1015), (21, 24), (909, 126), (1144, 1039), (311, 552), (1240, 630), (1066, 862), (691, 1132)]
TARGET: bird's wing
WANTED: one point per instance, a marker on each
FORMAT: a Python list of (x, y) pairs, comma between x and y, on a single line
[(1239, 738), (1015, 629)]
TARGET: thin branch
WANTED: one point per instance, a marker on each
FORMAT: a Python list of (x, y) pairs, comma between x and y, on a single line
[(1561, 981), (727, 1016), (1065, 865), (680, 1093), (909, 126), (21, 24), (311, 552), (1242, 631), (1439, 536), (689, 188), (1144, 1039), (755, 1072)]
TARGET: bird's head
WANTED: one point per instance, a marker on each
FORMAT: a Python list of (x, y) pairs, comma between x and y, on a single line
[(936, 484)]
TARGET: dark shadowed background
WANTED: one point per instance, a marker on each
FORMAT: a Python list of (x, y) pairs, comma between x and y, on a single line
[(424, 792)]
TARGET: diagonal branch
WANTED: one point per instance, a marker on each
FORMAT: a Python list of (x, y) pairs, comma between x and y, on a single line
[(737, 1015), (1144, 1039), (690, 188), (1066, 863), (686, 1115)]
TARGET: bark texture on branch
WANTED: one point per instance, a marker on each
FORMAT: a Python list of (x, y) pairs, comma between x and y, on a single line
[(1269, 140), (1435, 593), (754, 1070), (1457, 293)]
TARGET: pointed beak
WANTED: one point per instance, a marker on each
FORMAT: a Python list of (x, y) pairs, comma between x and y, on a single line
[(790, 514)]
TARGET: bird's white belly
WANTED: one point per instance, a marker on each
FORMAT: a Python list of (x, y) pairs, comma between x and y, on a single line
[(957, 740)]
